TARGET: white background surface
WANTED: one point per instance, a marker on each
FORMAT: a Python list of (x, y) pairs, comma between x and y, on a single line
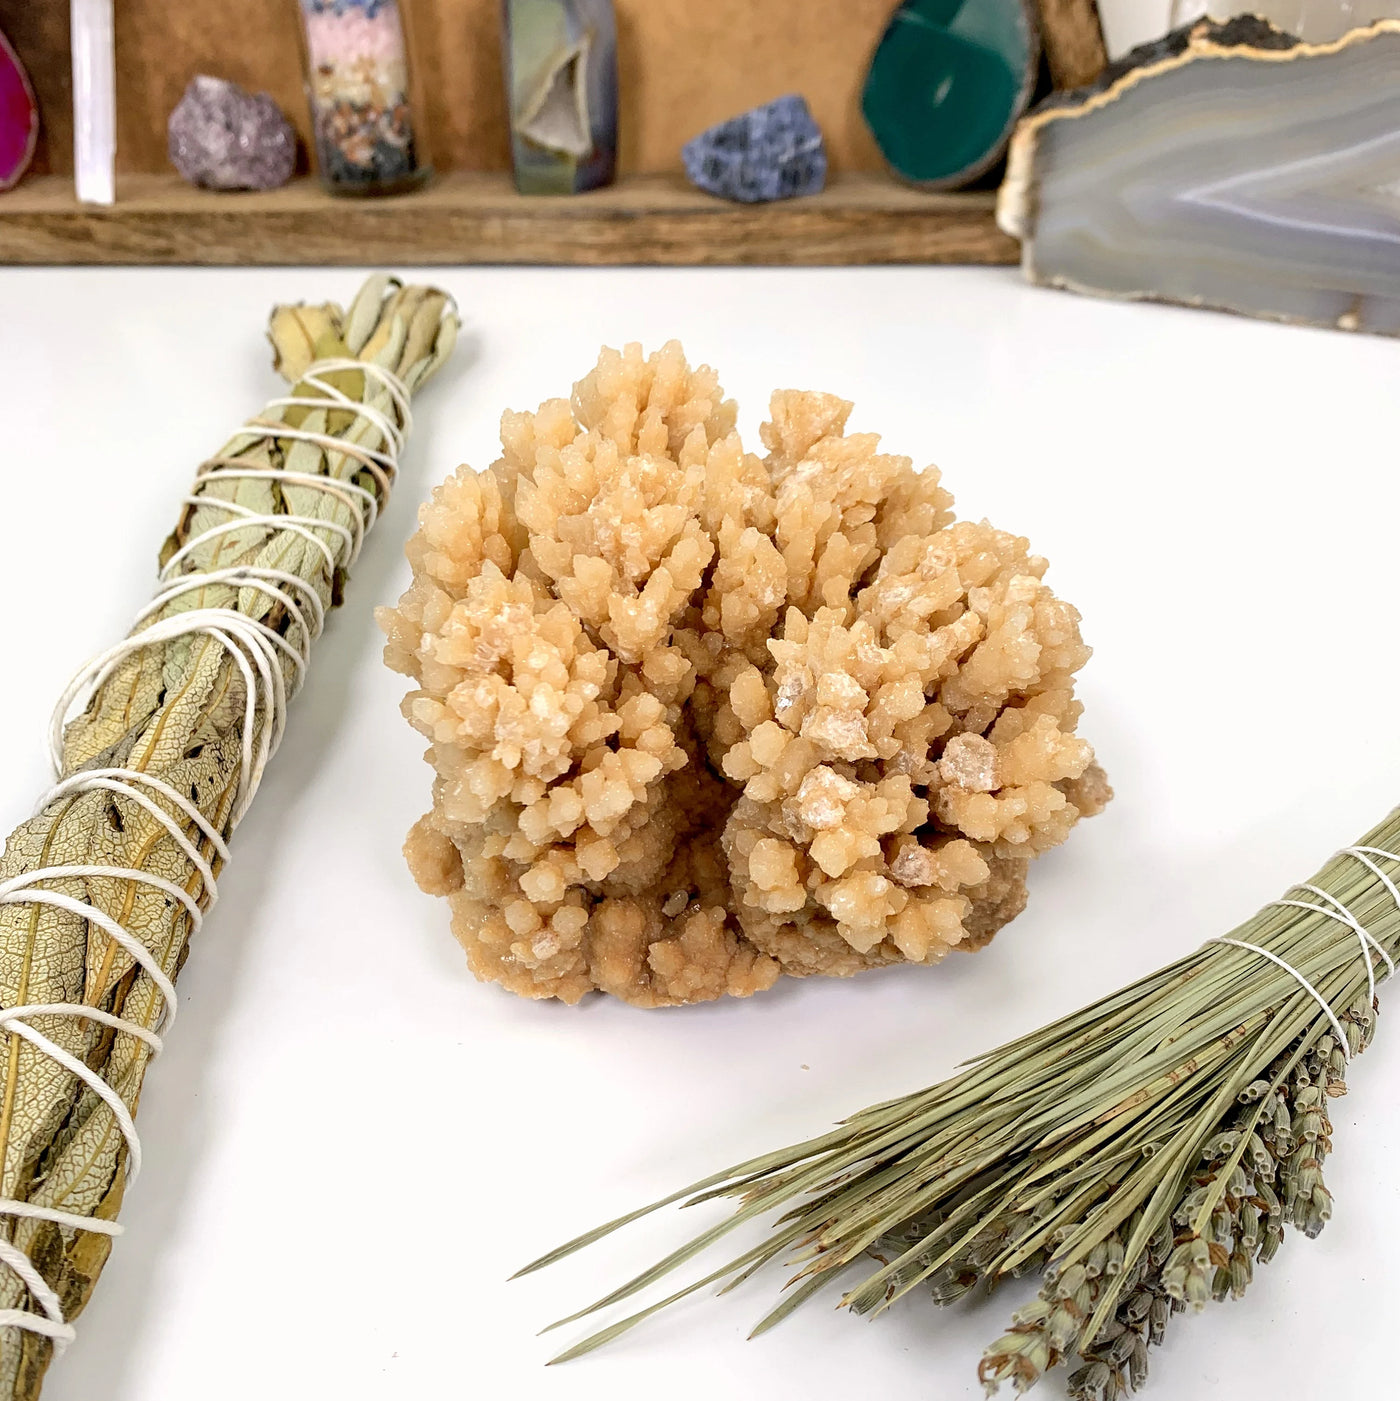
[(350, 1144), (1130, 22)]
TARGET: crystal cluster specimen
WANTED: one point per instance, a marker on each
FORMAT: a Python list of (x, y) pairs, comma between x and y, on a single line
[(699, 717), (19, 117), (771, 152), (946, 84), (561, 78), (226, 138), (1227, 165)]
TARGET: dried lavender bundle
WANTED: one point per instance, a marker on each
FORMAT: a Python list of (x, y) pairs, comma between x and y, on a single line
[(1143, 1154), (102, 888)]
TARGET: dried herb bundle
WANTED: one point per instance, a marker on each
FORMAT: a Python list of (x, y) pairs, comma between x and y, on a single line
[(180, 715), (1143, 1154)]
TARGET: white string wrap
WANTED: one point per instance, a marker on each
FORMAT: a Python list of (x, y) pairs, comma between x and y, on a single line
[(261, 655), (1336, 910)]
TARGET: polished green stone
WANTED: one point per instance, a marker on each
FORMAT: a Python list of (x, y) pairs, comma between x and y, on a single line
[(946, 84)]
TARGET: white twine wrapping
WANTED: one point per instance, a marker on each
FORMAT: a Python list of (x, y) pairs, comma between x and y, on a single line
[(261, 655), (1337, 910)]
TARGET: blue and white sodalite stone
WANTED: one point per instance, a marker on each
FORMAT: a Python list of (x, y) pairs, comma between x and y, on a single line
[(771, 152)]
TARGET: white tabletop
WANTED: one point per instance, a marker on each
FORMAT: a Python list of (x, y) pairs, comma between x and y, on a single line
[(350, 1144)]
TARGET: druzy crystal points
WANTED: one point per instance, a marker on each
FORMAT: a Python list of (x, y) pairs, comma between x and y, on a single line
[(699, 718), (1313, 21), (19, 117), (771, 152), (561, 81), (226, 138), (946, 84), (1227, 165)]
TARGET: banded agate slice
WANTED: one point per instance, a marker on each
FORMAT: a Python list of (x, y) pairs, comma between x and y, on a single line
[(1229, 166)]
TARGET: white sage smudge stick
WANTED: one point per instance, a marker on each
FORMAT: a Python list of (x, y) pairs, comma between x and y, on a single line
[(101, 889)]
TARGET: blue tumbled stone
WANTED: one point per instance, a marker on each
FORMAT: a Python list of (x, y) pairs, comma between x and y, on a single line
[(771, 152)]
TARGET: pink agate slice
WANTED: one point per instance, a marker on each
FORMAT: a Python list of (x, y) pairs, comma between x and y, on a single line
[(19, 117)]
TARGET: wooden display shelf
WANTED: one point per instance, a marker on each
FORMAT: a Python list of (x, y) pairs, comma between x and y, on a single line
[(862, 217)]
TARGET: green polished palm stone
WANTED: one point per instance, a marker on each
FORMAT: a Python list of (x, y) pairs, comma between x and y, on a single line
[(947, 82)]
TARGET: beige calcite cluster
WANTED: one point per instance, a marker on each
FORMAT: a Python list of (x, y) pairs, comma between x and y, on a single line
[(699, 718)]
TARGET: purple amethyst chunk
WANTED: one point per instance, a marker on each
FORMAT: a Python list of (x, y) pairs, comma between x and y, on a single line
[(226, 138)]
